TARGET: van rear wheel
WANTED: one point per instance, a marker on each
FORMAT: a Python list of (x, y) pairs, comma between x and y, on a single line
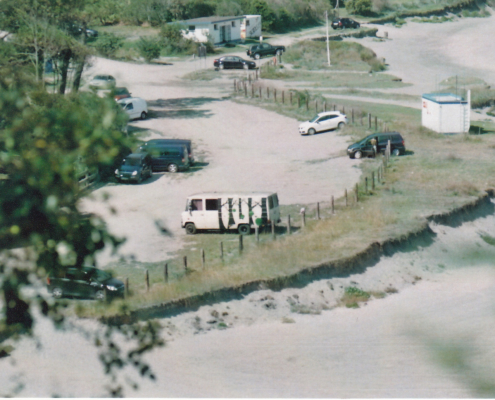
[(173, 168), (143, 115), (190, 229), (244, 229)]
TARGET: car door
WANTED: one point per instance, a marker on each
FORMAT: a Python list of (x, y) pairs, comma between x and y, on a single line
[(129, 109), (367, 148), (236, 63), (227, 62), (328, 122)]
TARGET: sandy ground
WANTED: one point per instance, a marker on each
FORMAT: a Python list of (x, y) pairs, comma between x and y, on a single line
[(296, 342)]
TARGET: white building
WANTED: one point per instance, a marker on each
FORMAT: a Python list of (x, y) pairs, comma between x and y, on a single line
[(251, 26), (220, 29), (446, 112)]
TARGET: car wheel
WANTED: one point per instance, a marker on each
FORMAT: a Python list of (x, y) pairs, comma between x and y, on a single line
[(395, 152), (244, 229), (143, 115), (341, 125), (150, 174), (358, 26), (257, 56), (190, 229), (140, 179), (245, 66), (173, 168), (57, 292), (311, 131), (278, 52), (100, 295), (358, 154), (221, 66)]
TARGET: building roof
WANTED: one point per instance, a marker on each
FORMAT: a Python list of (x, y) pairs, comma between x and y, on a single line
[(210, 20), (444, 98), (218, 195)]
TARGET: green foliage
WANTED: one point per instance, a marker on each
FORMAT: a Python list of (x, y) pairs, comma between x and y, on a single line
[(149, 48), (361, 7), (107, 44)]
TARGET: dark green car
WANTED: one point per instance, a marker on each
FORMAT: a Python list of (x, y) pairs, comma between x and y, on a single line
[(364, 147)]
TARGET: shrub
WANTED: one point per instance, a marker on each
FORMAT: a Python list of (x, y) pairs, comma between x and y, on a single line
[(361, 7), (107, 44), (149, 48)]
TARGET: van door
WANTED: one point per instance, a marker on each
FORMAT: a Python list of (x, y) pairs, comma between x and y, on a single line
[(204, 213)]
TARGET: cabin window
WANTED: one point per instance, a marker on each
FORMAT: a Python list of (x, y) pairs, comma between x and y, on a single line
[(247, 22), (233, 23), (192, 27), (215, 27), (197, 205), (211, 204)]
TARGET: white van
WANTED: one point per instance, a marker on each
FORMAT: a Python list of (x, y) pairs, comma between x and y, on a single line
[(135, 107), (230, 211)]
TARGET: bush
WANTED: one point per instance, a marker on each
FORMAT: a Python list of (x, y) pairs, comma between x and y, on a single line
[(107, 44), (361, 7), (149, 48)]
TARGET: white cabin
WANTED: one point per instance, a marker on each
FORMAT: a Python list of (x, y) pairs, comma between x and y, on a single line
[(221, 29), (251, 26), (446, 112)]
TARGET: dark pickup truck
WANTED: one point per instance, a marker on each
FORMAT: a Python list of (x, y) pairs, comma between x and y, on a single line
[(259, 50)]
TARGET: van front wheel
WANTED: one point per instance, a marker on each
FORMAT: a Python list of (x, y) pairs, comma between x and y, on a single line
[(244, 229), (190, 229), (173, 168), (358, 154)]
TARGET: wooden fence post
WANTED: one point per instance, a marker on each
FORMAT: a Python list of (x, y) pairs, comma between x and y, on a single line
[(369, 120), (357, 193), (325, 106), (303, 215), (372, 181), (334, 107), (288, 225), (245, 89), (376, 123), (147, 278), (273, 229), (126, 288), (267, 92), (346, 200), (203, 258), (235, 85), (343, 109), (241, 244), (261, 96), (249, 78), (298, 102), (221, 250), (307, 103), (252, 91), (316, 106), (185, 263), (257, 233), (165, 273), (333, 205), (283, 97), (365, 185), (275, 94), (317, 210), (290, 97), (352, 116)]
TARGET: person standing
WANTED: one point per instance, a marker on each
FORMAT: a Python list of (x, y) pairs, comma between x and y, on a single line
[(374, 143)]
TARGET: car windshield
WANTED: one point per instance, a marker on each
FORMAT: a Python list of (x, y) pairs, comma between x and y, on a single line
[(100, 77), (121, 91), (97, 274), (133, 161), (314, 118)]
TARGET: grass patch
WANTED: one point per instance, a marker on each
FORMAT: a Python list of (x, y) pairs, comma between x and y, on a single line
[(311, 55), (487, 238), (203, 75), (353, 296)]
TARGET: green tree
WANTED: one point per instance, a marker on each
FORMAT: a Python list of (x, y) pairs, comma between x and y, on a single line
[(42, 137), (107, 44), (361, 7), (149, 48)]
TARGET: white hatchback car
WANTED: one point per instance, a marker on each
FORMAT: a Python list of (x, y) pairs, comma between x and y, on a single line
[(323, 122), (102, 82)]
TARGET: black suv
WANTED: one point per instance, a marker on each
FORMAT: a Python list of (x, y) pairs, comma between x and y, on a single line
[(264, 49), (342, 23), (134, 167), (85, 282), (364, 148)]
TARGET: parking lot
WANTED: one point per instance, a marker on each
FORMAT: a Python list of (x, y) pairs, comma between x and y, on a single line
[(239, 148)]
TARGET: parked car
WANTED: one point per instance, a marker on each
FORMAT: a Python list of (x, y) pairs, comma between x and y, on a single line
[(102, 82), (364, 148), (179, 142), (230, 211), (264, 49), (323, 121), (120, 93), (343, 23), (85, 282), (135, 107), (135, 167), (233, 62), (168, 157)]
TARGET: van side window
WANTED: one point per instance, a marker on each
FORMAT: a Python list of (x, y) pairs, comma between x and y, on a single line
[(211, 204), (197, 205)]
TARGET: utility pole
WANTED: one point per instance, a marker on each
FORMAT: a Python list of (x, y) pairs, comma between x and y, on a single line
[(328, 42), (337, 8)]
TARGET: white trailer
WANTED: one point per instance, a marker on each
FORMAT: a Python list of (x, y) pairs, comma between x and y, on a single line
[(230, 211), (446, 112), (251, 26)]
